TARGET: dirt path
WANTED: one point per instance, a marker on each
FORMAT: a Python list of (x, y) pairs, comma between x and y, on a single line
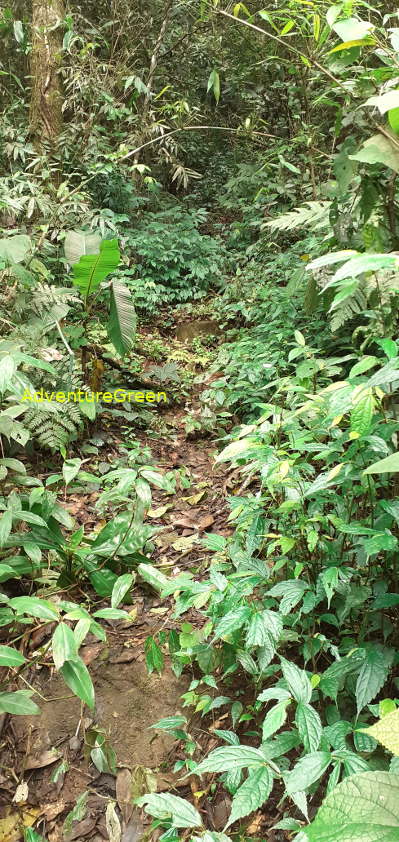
[(128, 699)]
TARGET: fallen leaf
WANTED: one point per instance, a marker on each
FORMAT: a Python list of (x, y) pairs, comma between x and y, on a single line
[(21, 793), (12, 826), (46, 758), (205, 522), (124, 793), (81, 829), (112, 823), (194, 499), (51, 811), (89, 653), (185, 544), (159, 512), (135, 830), (124, 657)]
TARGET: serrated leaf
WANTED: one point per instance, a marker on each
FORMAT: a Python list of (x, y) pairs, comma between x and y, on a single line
[(251, 795), (363, 808), (307, 771), (167, 806), (309, 726), (239, 757), (297, 680), (386, 731), (231, 622), (372, 676), (274, 719)]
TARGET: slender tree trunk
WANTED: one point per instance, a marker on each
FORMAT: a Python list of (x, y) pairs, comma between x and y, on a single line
[(45, 62)]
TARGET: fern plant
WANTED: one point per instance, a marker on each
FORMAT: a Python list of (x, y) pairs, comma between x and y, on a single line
[(313, 215)]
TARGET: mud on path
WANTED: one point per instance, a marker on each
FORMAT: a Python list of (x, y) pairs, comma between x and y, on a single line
[(128, 699)]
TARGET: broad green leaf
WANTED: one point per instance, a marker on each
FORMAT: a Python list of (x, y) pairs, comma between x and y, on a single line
[(252, 794), (363, 808), (80, 243), (274, 719), (262, 625), (153, 577), (111, 614), (120, 589), (352, 29), (309, 726), (384, 466), (18, 703), (297, 680), (77, 677), (10, 657), (16, 248), (378, 149), (70, 469), (169, 723), (94, 268), (76, 815), (386, 731), (224, 759), (166, 806), (231, 622), (103, 581), (373, 675), (122, 318), (362, 415), (34, 607), (63, 644), (307, 771)]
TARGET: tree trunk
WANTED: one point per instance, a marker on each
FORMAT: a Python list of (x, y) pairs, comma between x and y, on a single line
[(45, 62)]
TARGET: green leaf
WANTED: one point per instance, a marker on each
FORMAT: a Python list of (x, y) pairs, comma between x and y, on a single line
[(352, 29), (386, 731), (153, 656), (103, 581), (34, 607), (262, 626), (122, 318), (384, 466), (214, 84), (80, 243), (274, 719), (120, 589), (18, 703), (297, 680), (70, 469), (307, 771), (111, 614), (231, 622), (224, 759), (363, 808), (251, 795), (10, 657), (63, 645), (167, 806), (153, 577), (94, 268), (77, 677), (378, 149), (309, 726), (15, 249), (373, 675), (5, 527), (76, 815)]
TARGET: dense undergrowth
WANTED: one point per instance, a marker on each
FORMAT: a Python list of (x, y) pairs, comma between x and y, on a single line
[(293, 634)]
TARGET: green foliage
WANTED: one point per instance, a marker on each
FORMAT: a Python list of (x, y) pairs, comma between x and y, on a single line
[(173, 261)]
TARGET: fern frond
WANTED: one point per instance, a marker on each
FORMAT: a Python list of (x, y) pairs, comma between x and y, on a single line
[(313, 215), (348, 309)]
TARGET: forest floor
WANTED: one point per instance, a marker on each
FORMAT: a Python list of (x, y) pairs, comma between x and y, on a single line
[(128, 699)]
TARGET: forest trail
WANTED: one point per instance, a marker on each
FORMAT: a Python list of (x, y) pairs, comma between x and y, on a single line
[(128, 699)]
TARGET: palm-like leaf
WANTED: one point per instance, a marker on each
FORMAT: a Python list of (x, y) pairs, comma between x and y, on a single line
[(94, 268), (122, 318)]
